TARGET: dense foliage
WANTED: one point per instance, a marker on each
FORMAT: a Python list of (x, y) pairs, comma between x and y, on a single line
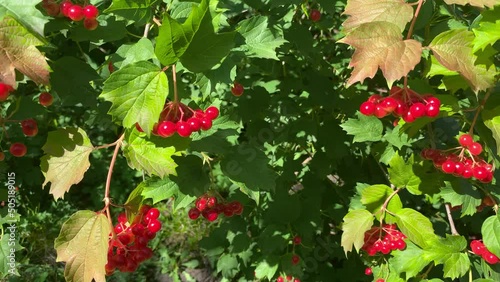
[(250, 140)]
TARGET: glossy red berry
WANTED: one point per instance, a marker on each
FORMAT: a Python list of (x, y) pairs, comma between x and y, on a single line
[(29, 127), (367, 108), (154, 225), (477, 247), (64, 7), (206, 123), (417, 110), (210, 214), (465, 140), (18, 149), (280, 279), (211, 202), (315, 15), (368, 271), (153, 213), (194, 123), (201, 203), (479, 172), (90, 24), (45, 99), (166, 129), (380, 280), (5, 90), (297, 240), (90, 11), (237, 89), (490, 258), (475, 148), (75, 12), (295, 259), (183, 129), (194, 213), (212, 112), (432, 110), (448, 166)]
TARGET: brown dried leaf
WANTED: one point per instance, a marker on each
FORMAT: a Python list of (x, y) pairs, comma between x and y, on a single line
[(380, 45)]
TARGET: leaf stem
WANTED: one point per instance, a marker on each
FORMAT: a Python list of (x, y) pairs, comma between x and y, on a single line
[(106, 199), (415, 16), (450, 219), (174, 80), (478, 110), (146, 30)]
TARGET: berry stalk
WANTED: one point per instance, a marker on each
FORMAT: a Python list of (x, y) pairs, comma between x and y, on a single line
[(479, 109)]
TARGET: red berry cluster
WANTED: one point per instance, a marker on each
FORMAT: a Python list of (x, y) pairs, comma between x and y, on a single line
[(383, 240), (129, 248), (458, 164), (75, 12), (480, 249), (288, 278), (209, 208), (177, 117), (404, 103)]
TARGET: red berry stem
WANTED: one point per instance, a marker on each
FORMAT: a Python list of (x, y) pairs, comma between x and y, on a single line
[(174, 80), (478, 110)]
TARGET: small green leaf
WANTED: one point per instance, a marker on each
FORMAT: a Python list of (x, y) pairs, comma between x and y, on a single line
[(397, 138), (417, 227), (228, 265), (267, 268), (140, 11), (66, 159), (449, 252), (356, 223), (410, 261), (158, 189), (83, 245), (491, 118), (134, 202), (401, 174), (364, 128), (182, 201), (486, 34), (142, 50), (373, 197), (461, 193), (491, 234), (143, 154), (260, 40)]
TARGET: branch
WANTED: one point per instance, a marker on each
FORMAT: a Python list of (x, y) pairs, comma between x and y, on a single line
[(450, 219)]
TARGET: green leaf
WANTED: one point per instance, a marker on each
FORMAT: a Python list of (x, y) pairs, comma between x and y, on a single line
[(453, 49), (18, 52), (66, 159), (491, 118), (158, 189), (401, 174), (83, 245), (260, 40), (373, 197), (449, 252), (138, 92), (411, 260), (461, 193), (134, 202), (397, 138), (194, 42), (380, 45), (182, 201), (26, 12), (244, 163), (108, 30), (364, 128), (491, 234), (142, 50), (356, 223), (228, 265), (417, 227), (365, 11), (140, 11), (191, 177), (486, 34), (267, 268)]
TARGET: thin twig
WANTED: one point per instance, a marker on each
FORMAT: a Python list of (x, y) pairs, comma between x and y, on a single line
[(146, 30), (450, 219), (107, 200), (174, 80), (479, 109), (415, 16)]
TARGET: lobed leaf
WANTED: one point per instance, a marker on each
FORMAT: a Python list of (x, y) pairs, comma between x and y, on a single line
[(364, 128), (365, 11), (449, 252), (380, 45), (137, 92), (410, 260), (26, 12), (356, 223), (373, 198), (66, 159), (140, 11), (401, 174), (260, 40), (83, 245), (417, 227), (18, 51)]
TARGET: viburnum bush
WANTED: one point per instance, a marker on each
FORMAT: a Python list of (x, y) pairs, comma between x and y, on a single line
[(256, 140)]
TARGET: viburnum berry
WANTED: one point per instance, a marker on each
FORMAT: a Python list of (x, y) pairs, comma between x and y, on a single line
[(90, 24), (154, 225), (51, 7), (18, 149), (237, 89), (280, 279), (210, 214), (45, 99), (194, 213), (166, 129), (5, 90), (90, 11), (367, 108), (64, 7), (75, 12), (297, 240), (212, 112), (295, 259), (465, 140), (475, 148), (380, 280), (153, 213), (194, 123), (315, 15), (206, 123), (368, 271), (448, 166), (289, 278), (29, 127), (417, 110), (489, 257)]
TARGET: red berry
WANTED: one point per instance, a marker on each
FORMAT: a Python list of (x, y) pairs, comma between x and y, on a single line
[(368, 271), (211, 202), (194, 123), (380, 280), (417, 110), (280, 279), (433, 100), (315, 15), (122, 218), (138, 229), (289, 278), (51, 7), (153, 213), (477, 247), (75, 12), (237, 89), (5, 89), (194, 213), (201, 203), (479, 172), (465, 140), (401, 109), (210, 214), (29, 127), (166, 129), (90, 11), (489, 257), (468, 172), (90, 24), (64, 7), (389, 104), (296, 280), (154, 226), (297, 240), (18, 149), (45, 99), (375, 98), (212, 112), (475, 148), (295, 259), (183, 129), (448, 166), (206, 123), (431, 110), (367, 108), (408, 117), (2, 156)]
